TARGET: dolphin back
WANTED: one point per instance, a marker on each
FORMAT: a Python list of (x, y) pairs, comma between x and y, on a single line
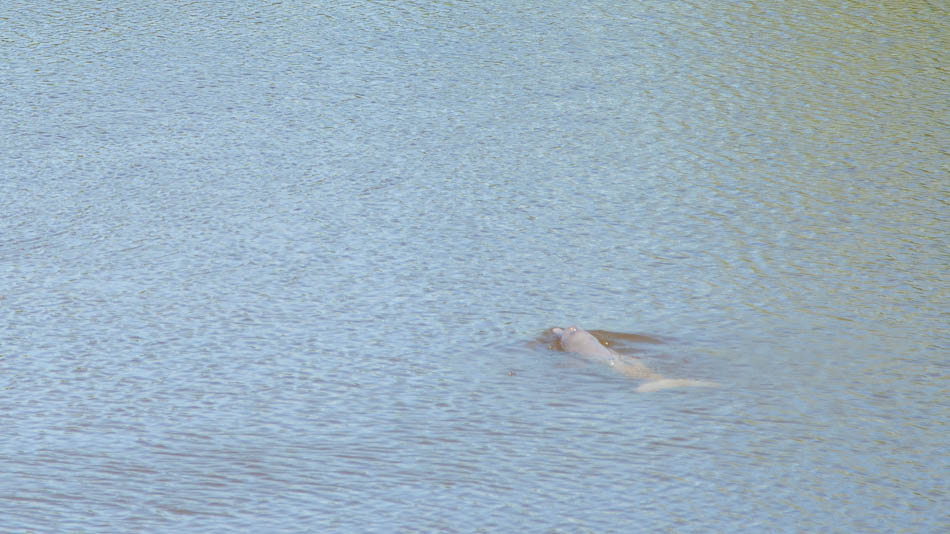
[(580, 341)]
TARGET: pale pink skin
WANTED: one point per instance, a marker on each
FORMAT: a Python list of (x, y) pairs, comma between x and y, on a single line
[(580, 341)]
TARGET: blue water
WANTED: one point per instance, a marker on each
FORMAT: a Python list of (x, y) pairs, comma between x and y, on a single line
[(289, 267)]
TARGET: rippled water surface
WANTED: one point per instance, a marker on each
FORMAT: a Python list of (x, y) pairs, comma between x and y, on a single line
[(288, 267)]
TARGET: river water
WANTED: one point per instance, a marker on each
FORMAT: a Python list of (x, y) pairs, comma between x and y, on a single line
[(288, 266)]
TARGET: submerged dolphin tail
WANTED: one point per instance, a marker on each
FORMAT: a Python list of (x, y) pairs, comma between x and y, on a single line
[(667, 383)]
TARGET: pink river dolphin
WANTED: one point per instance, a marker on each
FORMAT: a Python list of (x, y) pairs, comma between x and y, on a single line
[(582, 342)]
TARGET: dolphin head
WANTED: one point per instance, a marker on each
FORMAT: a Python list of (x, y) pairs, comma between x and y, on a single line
[(565, 335), (574, 339)]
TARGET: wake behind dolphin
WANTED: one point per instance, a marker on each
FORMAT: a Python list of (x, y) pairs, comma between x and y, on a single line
[(582, 342)]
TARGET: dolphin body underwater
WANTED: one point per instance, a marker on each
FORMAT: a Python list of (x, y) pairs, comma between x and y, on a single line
[(580, 341)]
